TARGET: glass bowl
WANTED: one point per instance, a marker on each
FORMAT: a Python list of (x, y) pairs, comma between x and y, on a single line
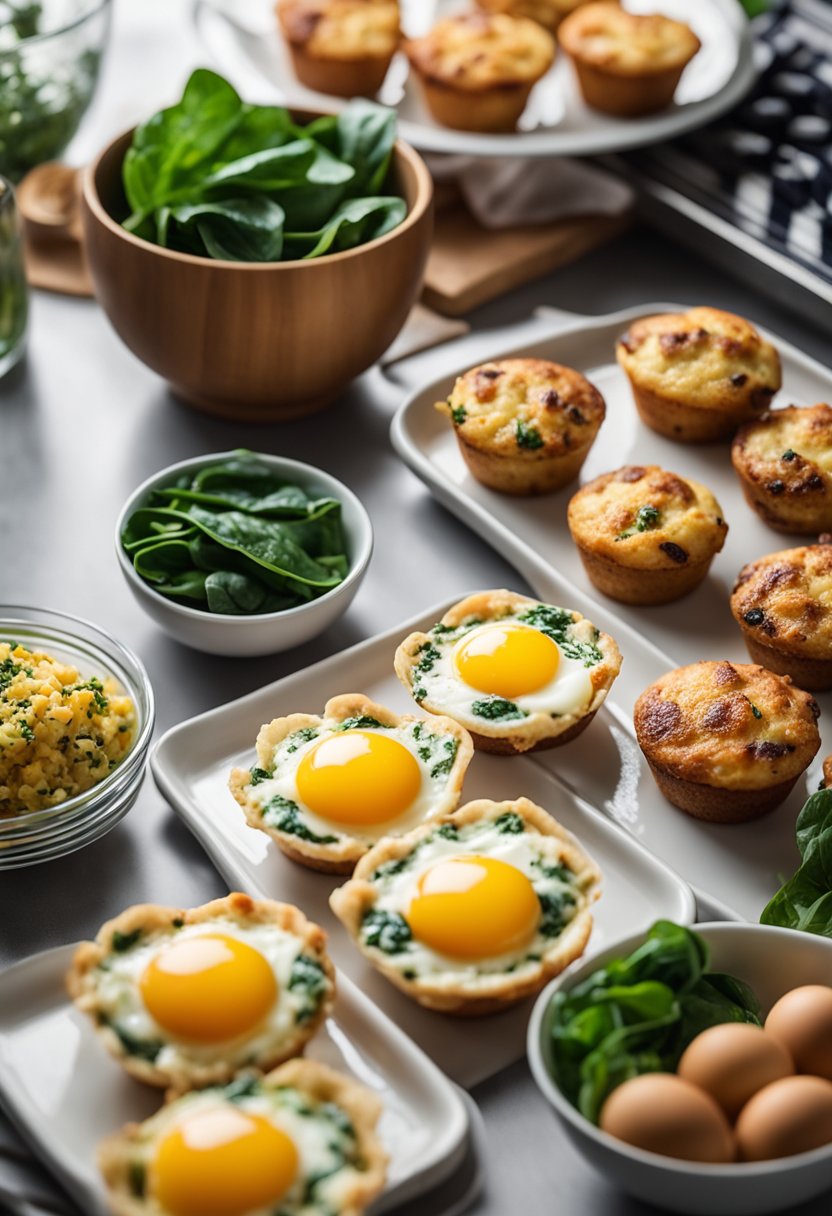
[(35, 836), (50, 55)]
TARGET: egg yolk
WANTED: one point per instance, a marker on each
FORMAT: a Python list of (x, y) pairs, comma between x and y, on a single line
[(359, 776), (208, 988), (222, 1162), (474, 908), (507, 660)]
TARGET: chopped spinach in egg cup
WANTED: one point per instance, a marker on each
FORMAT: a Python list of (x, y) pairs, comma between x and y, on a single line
[(473, 912), (327, 788), (301, 1140), (519, 675), (187, 998)]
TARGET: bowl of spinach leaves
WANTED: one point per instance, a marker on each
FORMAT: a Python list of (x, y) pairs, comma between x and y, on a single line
[(256, 258), (633, 1008), (241, 553)]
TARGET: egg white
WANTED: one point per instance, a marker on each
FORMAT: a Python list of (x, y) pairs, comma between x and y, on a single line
[(288, 756), (395, 892), (120, 999)]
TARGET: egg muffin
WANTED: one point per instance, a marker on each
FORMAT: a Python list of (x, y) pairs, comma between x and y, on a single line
[(299, 1142), (184, 998), (783, 605), (548, 13), (726, 742), (646, 536), (341, 46), (474, 912), (325, 789), (477, 70), (524, 426), (626, 64), (697, 376), (784, 463), (519, 675)]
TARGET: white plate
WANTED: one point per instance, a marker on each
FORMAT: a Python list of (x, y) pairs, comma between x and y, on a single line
[(243, 39), (191, 766), (738, 867), (64, 1093)]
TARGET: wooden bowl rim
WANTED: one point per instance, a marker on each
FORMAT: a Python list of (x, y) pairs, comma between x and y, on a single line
[(402, 151)]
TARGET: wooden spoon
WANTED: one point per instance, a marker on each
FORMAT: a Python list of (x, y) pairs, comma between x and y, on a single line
[(48, 200)]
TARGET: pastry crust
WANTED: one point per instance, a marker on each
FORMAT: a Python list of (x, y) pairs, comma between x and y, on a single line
[(343, 47), (524, 426), (153, 919), (119, 1153), (626, 64), (477, 70), (726, 741), (489, 992), (340, 855), (784, 463), (697, 376), (646, 536), (783, 605)]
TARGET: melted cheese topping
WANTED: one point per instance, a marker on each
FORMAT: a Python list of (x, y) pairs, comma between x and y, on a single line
[(786, 600), (700, 358), (731, 725), (341, 29), (481, 51), (647, 518), (525, 406), (623, 43)]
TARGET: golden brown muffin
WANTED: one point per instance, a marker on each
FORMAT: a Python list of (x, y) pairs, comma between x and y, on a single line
[(548, 13), (301, 1139), (187, 998), (783, 604), (646, 536), (626, 64), (524, 426), (517, 674), (341, 46), (470, 914), (784, 463), (827, 772), (477, 70), (726, 742), (696, 376)]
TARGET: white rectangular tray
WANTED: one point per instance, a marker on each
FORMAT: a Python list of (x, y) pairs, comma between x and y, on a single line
[(64, 1093), (738, 867), (191, 766)]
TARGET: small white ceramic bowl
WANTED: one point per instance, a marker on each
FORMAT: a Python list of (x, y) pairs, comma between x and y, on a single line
[(772, 961), (260, 633)]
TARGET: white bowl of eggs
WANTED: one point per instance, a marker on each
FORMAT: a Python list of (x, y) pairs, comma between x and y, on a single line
[(754, 1105)]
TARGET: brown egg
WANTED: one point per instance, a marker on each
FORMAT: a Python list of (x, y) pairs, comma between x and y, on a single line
[(789, 1116), (802, 1021), (731, 1062), (665, 1114)]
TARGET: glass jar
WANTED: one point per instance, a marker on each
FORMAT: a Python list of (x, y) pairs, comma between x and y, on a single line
[(14, 291)]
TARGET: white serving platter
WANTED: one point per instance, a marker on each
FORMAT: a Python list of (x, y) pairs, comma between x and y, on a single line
[(243, 40), (737, 867), (64, 1093), (191, 764)]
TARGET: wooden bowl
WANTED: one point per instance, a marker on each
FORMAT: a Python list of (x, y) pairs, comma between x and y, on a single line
[(256, 341)]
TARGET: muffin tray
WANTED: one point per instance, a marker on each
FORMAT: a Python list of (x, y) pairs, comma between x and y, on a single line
[(64, 1093), (735, 869), (191, 765), (244, 41)]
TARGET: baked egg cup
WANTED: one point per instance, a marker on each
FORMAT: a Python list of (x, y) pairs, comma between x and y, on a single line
[(326, 788), (475, 911), (187, 998)]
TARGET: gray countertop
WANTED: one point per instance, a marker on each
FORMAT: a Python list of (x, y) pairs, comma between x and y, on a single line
[(83, 422)]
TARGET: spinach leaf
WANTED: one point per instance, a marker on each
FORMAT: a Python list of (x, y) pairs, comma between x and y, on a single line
[(497, 709), (239, 594), (805, 901), (354, 223), (236, 230), (308, 978), (365, 134), (387, 931), (266, 542), (284, 816)]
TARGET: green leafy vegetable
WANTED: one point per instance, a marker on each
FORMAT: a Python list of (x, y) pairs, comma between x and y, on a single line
[(284, 816), (528, 437), (387, 931), (218, 178), (496, 709), (308, 978), (557, 623), (647, 518), (805, 901), (638, 1014)]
